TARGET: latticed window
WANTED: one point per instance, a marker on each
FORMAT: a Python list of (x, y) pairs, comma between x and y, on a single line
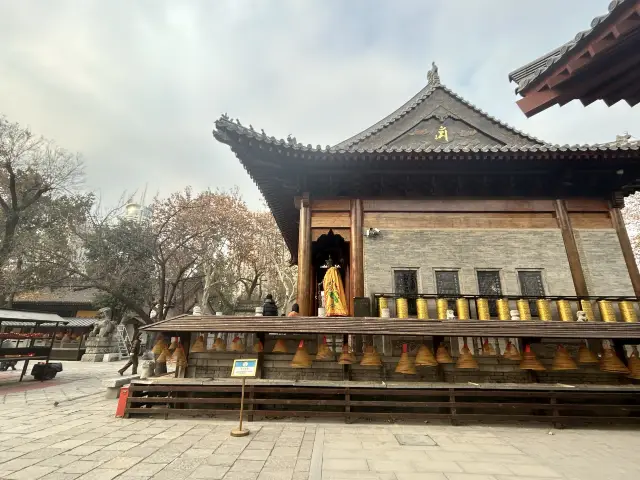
[(447, 283), (531, 286), (489, 285), (406, 283)]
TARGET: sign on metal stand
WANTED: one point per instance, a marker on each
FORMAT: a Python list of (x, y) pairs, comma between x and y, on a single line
[(243, 368)]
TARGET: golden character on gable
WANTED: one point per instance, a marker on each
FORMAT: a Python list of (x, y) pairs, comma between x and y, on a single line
[(442, 134)]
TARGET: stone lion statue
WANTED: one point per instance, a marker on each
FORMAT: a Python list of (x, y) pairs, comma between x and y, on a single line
[(104, 327)]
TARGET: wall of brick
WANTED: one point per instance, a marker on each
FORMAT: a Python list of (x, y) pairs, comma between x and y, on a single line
[(507, 250), (602, 262)]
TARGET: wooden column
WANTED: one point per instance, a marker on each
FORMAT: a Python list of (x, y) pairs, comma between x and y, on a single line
[(357, 252), (627, 250), (577, 274), (304, 255)]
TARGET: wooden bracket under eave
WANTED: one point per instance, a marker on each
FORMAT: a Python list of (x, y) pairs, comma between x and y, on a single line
[(301, 200)]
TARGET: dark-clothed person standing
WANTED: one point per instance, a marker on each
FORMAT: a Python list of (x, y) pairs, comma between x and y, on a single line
[(269, 308)]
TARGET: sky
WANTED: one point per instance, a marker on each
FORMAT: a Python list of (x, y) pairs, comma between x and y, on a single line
[(135, 86)]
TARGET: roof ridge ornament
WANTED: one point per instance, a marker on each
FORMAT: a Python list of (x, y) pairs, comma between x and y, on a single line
[(432, 76)]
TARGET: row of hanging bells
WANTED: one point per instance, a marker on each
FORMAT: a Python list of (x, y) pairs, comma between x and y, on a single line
[(609, 361)]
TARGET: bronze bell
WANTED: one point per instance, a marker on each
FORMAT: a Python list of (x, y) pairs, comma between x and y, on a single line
[(442, 355), (198, 345), (324, 351), (563, 361), (301, 359), (488, 349), (466, 359), (219, 345), (585, 355), (511, 353), (405, 364), (258, 347), (157, 348), (237, 345), (371, 357), (425, 358), (609, 362), (174, 345), (634, 364), (164, 356), (346, 357), (280, 346), (530, 361)]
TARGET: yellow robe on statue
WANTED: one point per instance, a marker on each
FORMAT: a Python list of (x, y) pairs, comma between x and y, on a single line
[(334, 297)]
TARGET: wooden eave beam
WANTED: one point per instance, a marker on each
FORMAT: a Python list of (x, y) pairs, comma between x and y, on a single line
[(608, 38)]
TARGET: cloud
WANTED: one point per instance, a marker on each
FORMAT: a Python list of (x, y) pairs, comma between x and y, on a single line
[(136, 86)]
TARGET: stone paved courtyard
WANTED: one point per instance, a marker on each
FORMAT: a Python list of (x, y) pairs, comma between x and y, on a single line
[(81, 439)]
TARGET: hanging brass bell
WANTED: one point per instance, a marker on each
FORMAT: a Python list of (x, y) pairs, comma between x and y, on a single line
[(371, 357), (609, 362), (466, 360), (324, 351), (488, 349), (634, 364), (347, 356), (301, 359), (198, 345), (585, 355), (164, 356), (258, 347), (511, 353), (442, 355), (425, 358), (174, 344), (280, 346), (405, 364), (237, 345), (530, 361), (563, 361), (220, 345), (159, 346)]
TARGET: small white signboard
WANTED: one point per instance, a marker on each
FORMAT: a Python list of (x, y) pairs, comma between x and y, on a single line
[(244, 367)]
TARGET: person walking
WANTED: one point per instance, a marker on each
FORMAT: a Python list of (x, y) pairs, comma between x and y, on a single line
[(133, 355), (269, 308)]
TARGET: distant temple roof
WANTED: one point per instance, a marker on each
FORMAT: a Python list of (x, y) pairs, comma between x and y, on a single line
[(62, 295), (600, 63)]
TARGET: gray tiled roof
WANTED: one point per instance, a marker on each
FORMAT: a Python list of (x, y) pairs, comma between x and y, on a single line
[(80, 322), (224, 124), (525, 75), (74, 295), (8, 315)]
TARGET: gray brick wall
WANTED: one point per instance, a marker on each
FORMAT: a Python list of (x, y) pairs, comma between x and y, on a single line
[(506, 250), (602, 262)]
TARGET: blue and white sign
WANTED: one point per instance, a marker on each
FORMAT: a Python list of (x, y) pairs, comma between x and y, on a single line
[(244, 367)]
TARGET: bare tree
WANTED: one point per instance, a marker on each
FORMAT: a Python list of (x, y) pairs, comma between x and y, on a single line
[(34, 172)]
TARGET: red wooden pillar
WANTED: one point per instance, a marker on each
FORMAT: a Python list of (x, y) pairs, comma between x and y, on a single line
[(570, 245), (356, 267), (304, 255), (627, 250)]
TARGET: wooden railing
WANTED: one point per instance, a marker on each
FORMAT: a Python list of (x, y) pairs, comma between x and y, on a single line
[(507, 307)]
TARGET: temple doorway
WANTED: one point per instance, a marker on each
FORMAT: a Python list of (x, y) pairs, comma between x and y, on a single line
[(329, 249)]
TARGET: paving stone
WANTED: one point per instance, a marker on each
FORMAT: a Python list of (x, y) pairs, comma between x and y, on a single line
[(258, 445), (170, 474), (83, 450), (422, 476), (209, 472), (247, 465), (345, 464), (223, 460), (16, 464), (186, 464), (80, 466), (469, 476), (484, 467), (284, 451), (532, 471), (101, 474), (275, 474), (300, 476), (241, 476), (302, 465), (59, 460), (144, 469), (122, 463), (254, 454), (286, 463), (60, 476), (30, 473), (436, 466)]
